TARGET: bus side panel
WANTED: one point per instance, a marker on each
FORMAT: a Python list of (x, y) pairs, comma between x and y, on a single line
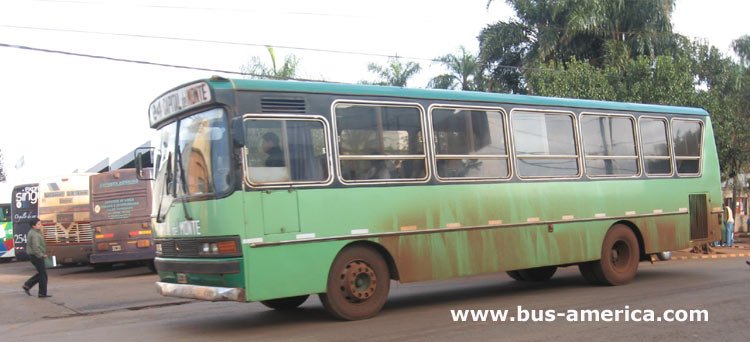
[(289, 270), (465, 253)]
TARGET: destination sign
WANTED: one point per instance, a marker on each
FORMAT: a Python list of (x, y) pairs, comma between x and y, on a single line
[(178, 100)]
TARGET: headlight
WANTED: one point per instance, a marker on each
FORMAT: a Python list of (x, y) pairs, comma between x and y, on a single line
[(214, 248), (205, 248)]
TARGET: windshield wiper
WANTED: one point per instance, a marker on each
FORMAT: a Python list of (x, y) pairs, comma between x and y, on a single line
[(183, 180)]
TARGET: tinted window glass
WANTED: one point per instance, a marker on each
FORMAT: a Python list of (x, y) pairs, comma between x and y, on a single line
[(545, 144), (379, 142), (285, 150), (477, 134), (609, 145), (204, 153)]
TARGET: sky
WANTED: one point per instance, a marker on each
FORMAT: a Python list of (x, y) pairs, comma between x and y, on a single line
[(61, 113)]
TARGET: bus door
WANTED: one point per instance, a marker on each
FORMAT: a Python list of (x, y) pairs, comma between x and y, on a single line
[(280, 211), (282, 154)]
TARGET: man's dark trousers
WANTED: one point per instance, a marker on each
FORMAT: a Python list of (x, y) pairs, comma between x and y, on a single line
[(40, 277)]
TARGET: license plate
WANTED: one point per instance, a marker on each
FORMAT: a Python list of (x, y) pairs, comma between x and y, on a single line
[(182, 278), (116, 248)]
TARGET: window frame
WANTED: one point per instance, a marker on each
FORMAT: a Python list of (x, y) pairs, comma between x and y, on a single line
[(369, 103), (576, 144), (634, 132), (700, 148), (668, 127), (287, 184), (434, 156)]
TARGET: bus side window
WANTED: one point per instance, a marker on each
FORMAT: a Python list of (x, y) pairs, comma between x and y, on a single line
[(285, 151)]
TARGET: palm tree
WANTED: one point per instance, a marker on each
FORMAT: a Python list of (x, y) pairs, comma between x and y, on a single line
[(257, 69), (464, 72), (395, 73)]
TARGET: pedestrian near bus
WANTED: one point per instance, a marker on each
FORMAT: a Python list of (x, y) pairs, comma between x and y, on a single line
[(36, 248), (728, 227)]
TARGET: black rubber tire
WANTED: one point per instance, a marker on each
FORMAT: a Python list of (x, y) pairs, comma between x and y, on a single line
[(287, 303), (620, 255), (515, 275), (369, 264), (538, 273), (587, 271)]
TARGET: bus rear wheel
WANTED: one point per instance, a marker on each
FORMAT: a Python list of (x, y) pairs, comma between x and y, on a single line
[(358, 284), (619, 258), (287, 303)]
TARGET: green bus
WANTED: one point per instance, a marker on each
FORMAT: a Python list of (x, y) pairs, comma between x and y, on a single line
[(274, 190)]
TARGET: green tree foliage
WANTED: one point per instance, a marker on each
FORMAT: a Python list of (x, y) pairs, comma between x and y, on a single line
[(578, 80), (395, 73), (258, 69), (560, 31), (741, 47), (464, 72)]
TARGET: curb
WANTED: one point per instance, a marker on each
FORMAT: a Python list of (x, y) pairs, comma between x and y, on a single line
[(712, 256)]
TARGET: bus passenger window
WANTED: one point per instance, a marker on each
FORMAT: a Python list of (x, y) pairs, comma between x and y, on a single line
[(285, 151), (470, 143), (380, 142), (655, 146), (545, 144), (687, 136), (609, 145)]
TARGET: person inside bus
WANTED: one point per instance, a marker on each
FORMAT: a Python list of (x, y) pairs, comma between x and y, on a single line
[(36, 247), (271, 147), (378, 170)]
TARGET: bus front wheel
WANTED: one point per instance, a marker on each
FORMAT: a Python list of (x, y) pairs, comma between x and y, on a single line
[(358, 284), (619, 258), (287, 303)]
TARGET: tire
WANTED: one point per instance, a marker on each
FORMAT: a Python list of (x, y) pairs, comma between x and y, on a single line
[(538, 273), (515, 275), (620, 256), (358, 284), (287, 303), (587, 271)]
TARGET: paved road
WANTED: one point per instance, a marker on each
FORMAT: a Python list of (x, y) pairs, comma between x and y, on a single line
[(121, 305)]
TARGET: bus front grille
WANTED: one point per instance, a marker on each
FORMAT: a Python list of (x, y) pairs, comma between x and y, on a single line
[(191, 247), (187, 248), (68, 233)]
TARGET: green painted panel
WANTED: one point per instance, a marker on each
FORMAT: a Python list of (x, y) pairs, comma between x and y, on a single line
[(289, 270), (280, 213)]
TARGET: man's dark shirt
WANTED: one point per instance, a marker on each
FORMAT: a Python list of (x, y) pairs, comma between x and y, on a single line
[(275, 157)]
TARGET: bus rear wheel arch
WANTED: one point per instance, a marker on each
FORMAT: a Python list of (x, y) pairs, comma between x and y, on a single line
[(620, 255), (358, 283)]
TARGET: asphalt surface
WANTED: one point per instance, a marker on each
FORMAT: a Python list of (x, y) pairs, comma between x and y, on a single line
[(121, 305)]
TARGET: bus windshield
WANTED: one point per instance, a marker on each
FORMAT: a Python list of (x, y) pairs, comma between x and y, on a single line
[(192, 158)]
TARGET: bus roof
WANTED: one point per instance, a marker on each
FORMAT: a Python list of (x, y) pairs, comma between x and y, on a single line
[(440, 94)]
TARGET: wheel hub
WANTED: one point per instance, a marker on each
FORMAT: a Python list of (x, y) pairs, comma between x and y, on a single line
[(357, 281)]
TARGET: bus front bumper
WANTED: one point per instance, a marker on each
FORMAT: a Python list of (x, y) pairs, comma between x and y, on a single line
[(209, 293)]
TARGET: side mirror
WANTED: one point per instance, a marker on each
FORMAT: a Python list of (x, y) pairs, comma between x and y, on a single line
[(143, 157)]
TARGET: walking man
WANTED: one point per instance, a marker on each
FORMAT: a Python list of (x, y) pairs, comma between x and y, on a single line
[(36, 248)]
